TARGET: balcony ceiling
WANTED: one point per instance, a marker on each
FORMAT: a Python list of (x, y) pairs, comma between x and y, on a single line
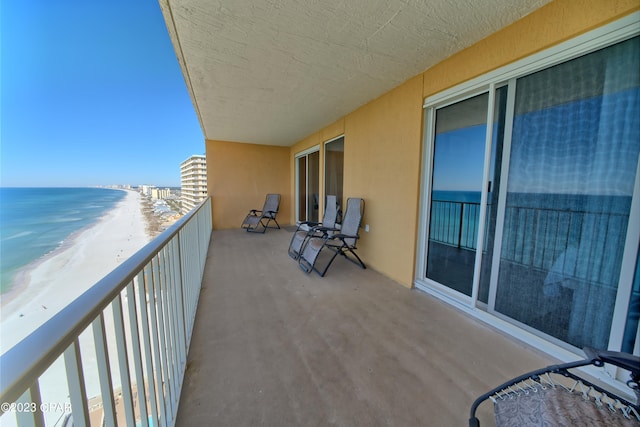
[(275, 71)]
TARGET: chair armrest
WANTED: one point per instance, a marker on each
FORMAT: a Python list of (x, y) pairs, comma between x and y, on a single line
[(311, 223), (310, 226), (624, 360), (325, 229), (345, 236)]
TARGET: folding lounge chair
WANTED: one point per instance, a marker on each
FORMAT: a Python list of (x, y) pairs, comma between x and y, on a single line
[(307, 229), (256, 218), (340, 241), (557, 396)]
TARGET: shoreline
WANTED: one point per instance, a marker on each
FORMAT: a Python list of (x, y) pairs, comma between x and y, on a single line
[(48, 284), (22, 277)]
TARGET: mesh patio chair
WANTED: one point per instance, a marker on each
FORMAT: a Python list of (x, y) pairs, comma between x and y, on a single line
[(307, 229), (557, 396), (340, 241), (254, 222)]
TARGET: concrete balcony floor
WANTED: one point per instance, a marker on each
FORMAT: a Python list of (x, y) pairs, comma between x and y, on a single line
[(274, 346)]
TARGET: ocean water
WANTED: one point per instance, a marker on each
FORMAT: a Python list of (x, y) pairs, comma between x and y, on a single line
[(36, 221), (556, 220), (457, 196), (454, 217)]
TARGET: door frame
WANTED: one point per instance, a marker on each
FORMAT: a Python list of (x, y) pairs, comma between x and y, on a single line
[(297, 157), (617, 31)]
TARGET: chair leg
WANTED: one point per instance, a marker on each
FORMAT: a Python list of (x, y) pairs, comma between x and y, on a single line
[(269, 222), (274, 220), (307, 266), (264, 226), (364, 267), (342, 251), (335, 254), (256, 228)]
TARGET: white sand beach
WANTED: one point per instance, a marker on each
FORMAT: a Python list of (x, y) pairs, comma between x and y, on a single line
[(54, 281)]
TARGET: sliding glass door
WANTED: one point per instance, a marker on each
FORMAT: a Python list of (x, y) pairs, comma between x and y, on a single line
[(458, 162), (572, 168), (535, 218), (307, 185), (334, 169), (464, 191)]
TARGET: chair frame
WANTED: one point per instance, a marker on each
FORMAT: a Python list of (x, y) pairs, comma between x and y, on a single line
[(269, 216), (594, 357), (312, 229), (334, 240)]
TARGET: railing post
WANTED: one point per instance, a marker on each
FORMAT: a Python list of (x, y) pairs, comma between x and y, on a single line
[(181, 273), (461, 222), (165, 354), (104, 370), (123, 361), (75, 380), (146, 344), (137, 354), (31, 418), (160, 363)]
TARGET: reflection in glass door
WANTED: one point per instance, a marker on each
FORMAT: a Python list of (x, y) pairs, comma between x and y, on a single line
[(334, 170), (307, 186), (558, 232), (566, 219), (458, 165)]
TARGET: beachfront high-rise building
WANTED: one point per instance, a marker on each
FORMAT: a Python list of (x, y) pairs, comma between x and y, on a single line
[(193, 177), (160, 193)]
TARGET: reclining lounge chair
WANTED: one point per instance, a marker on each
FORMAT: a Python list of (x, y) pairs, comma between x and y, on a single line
[(558, 396), (340, 241), (308, 229), (254, 222)]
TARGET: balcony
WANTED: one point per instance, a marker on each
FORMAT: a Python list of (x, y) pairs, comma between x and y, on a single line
[(272, 345), (269, 344)]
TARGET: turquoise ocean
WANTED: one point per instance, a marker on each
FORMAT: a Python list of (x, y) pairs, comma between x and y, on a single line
[(34, 222)]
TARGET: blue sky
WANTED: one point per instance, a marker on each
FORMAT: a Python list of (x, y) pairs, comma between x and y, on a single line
[(91, 94), (459, 159)]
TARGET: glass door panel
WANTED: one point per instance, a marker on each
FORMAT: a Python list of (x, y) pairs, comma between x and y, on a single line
[(493, 190), (307, 186), (631, 335), (302, 188), (458, 164), (334, 170), (572, 167), (313, 186)]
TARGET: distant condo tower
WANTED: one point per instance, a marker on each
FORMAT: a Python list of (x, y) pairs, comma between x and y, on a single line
[(193, 173)]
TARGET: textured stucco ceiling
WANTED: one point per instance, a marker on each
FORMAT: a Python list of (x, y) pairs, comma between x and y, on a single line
[(275, 71)]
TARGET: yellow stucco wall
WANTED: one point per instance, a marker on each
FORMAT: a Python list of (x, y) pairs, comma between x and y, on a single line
[(382, 165), (553, 23), (240, 175), (383, 139)]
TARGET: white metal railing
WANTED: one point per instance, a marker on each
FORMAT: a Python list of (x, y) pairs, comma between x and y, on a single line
[(141, 317)]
